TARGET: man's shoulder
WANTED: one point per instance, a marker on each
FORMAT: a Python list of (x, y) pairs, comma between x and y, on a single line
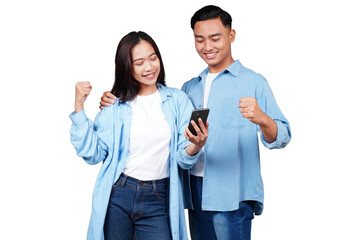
[(251, 75), (249, 72), (194, 80), (187, 85), (191, 81)]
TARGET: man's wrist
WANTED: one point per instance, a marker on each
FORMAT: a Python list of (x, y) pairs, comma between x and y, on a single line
[(264, 120), (192, 149)]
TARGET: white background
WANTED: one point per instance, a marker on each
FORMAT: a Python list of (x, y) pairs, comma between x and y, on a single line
[(308, 51)]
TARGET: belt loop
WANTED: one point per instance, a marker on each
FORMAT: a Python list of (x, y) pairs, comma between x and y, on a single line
[(154, 187), (123, 180)]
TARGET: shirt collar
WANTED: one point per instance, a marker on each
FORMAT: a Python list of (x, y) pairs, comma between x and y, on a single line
[(164, 92), (234, 69)]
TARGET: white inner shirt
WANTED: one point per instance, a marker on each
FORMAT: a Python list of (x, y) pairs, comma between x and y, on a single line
[(150, 137), (198, 168)]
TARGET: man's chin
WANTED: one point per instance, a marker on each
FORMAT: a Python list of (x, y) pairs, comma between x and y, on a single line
[(210, 62)]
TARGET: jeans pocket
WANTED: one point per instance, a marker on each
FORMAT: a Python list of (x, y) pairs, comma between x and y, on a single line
[(116, 184), (159, 193)]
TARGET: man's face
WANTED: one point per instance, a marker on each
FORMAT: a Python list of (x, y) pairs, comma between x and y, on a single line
[(213, 43)]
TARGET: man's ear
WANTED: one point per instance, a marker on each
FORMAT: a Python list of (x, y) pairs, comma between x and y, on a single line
[(232, 34)]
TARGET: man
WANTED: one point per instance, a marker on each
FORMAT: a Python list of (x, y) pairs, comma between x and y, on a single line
[(226, 183)]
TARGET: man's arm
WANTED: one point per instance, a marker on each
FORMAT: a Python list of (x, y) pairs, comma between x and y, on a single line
[(250, 109), (199, 140)]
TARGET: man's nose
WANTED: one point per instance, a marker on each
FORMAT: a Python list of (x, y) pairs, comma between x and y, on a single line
[(208, 46)]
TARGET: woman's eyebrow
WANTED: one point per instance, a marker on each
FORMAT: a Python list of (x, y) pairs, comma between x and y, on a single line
[(137, 59)]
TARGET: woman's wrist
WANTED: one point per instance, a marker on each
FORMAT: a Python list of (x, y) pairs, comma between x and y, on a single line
[(79, 108)]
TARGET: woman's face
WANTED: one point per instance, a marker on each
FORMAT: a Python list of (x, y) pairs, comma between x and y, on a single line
[(146, 67)]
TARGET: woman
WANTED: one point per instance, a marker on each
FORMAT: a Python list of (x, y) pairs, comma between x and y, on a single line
[(142, 139)]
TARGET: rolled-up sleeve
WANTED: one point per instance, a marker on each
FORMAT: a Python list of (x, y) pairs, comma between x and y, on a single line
[(89, 139), (268, 105), (282, 138)]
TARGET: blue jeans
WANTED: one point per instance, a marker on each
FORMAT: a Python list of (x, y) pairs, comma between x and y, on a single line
[(214, 225), (137, 210)]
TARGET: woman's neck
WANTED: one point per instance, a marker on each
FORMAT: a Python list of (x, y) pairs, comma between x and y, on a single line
[(147, 90)]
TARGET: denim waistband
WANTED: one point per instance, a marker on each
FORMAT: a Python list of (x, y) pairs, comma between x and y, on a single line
[(127, 179)]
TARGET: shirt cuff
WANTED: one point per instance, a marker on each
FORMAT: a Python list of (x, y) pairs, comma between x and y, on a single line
[(188, 160), (281, 137), (78, 118)]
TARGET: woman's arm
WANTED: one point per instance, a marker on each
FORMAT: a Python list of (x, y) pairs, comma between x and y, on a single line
[(88, 138), (82, 91)]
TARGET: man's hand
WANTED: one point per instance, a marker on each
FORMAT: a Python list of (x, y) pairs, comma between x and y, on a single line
[(197, 141), (250, 109), (82, 91), (106, 99)]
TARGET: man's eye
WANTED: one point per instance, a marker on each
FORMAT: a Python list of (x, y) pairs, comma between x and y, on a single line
[(216, 39)]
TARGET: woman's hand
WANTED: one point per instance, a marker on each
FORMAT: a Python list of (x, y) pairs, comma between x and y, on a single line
[(199, 140), (82, 91)]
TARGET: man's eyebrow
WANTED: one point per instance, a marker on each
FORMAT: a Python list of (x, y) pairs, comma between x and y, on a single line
[(211, 35), (215, 35)]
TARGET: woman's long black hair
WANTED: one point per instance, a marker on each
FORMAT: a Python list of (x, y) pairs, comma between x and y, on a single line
[(125, 86)]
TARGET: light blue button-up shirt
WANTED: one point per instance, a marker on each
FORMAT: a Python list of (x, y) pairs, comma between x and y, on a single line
[(107, 141), (231, 154)]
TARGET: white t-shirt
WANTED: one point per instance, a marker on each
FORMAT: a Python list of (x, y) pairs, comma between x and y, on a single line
[(150, 137), (198, 168)]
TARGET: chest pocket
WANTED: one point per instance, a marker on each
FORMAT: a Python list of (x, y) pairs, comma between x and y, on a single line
[(229, 114)]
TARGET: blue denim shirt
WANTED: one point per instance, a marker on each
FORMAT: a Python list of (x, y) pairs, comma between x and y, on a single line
[(231, 154), (107, 141)]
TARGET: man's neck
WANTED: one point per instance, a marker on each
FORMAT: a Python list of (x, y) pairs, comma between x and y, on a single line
[(221, 66)]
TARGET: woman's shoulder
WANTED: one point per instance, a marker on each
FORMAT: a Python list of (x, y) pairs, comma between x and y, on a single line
[(177, 93), (110, 110)]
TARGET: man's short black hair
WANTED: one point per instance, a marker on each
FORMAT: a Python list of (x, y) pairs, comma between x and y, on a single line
[(211, 12)]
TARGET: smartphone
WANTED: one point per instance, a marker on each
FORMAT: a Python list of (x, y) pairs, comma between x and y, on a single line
[(195, 115)]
